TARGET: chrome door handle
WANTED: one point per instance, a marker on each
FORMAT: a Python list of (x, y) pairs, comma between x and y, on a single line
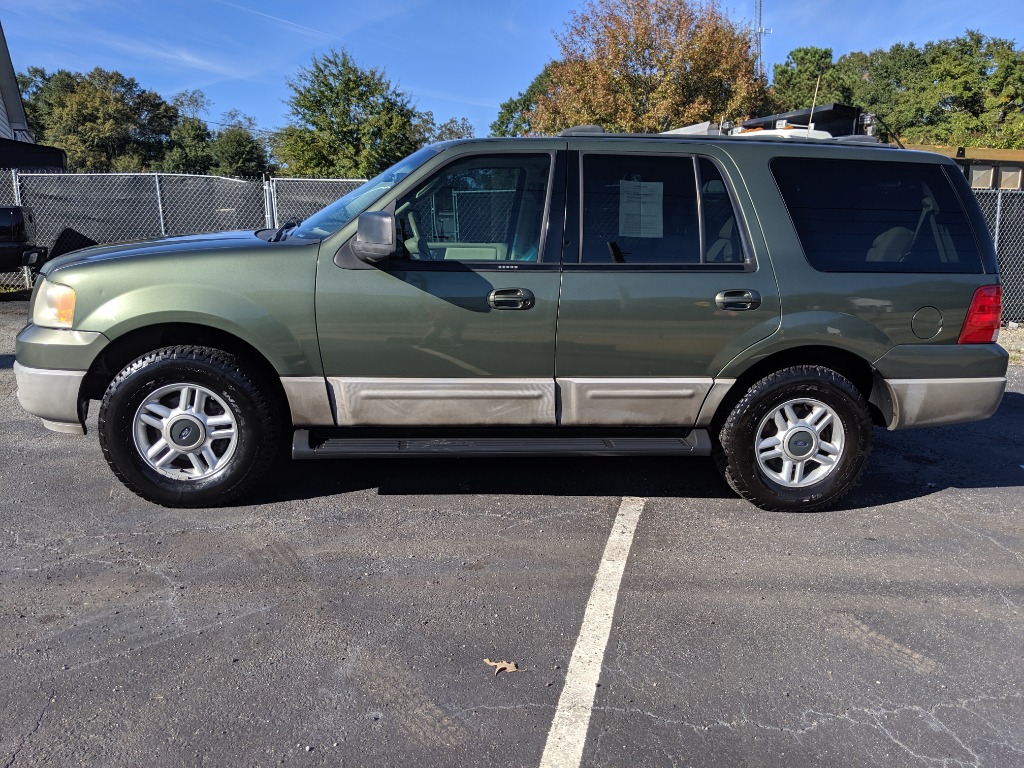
[(510, 298), (738, 299)]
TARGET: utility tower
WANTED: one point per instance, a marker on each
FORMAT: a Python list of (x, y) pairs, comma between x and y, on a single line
[(759, 32)]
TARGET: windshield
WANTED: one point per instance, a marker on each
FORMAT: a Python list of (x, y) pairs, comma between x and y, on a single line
[(339, 213)]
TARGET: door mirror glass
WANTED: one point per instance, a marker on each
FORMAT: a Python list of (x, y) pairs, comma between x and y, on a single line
[(375, 236)]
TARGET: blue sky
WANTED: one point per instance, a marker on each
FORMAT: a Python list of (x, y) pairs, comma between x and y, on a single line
[(458, 58)]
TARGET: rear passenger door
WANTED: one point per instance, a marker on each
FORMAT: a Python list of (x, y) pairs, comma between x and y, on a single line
[(662, 286)]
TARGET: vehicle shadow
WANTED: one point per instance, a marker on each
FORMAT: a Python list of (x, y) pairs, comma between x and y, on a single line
[(566, 476), (904, 466)]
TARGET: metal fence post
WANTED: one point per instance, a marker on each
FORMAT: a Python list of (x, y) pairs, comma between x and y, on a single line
[(999, 216), (273, 201), (266, 206), (26, 272), (160, 206)]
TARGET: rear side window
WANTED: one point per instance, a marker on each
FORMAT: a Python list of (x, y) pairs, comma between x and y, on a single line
[(657, 210), (871, 216), (640, 210)]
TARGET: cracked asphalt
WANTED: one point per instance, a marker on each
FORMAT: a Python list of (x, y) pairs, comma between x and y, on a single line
[(343, 617)]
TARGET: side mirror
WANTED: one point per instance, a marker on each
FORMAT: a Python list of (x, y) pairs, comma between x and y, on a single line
[(33, 257), (375, 236)]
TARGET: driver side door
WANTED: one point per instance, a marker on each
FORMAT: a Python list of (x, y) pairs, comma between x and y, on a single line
[(459, 330)]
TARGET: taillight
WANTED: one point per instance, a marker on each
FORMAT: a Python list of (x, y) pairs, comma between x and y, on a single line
[(982, 323)]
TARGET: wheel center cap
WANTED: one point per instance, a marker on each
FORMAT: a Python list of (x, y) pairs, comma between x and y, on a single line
[(186, 433), (800, 444)]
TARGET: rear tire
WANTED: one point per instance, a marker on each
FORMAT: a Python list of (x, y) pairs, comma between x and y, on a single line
[(188, 427), (797, 441)]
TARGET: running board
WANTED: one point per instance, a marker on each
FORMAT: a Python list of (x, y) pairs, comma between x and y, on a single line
[(696, 443)]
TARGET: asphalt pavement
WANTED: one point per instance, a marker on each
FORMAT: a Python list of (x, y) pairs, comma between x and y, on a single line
[(344, 616)]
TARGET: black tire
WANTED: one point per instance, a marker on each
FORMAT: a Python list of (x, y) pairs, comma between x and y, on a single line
[(224, 398), (766, 480)]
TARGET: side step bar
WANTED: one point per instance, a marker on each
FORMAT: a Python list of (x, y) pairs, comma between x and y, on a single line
[(696, 443)]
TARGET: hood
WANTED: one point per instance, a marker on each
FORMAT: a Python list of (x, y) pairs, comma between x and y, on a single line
[(157, 246)]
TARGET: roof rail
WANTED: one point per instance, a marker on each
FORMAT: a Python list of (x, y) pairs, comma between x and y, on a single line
[(697, 129), (582, 130), (860, 140)]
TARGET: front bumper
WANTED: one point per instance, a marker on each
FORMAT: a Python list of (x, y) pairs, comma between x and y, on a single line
[(53, 396), (56, 348), (49, 366)]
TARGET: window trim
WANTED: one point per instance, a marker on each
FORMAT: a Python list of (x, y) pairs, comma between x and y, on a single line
[(749, 263)]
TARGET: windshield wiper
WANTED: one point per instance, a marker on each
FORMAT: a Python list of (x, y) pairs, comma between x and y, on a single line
[(279, 232)]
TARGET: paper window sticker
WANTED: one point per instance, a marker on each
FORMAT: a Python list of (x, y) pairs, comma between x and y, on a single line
[(640, 209)]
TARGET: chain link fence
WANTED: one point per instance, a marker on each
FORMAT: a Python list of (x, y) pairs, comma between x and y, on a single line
[(8, 188), (1004, 214), (296, 199), (114, 207)]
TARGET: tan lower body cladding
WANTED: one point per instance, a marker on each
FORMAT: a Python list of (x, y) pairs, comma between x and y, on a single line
[(365, 401)]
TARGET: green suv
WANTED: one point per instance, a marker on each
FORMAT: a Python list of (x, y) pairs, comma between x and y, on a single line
[(764, 301)]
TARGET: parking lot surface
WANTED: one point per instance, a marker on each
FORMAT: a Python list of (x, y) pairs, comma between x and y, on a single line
[(344, 616)]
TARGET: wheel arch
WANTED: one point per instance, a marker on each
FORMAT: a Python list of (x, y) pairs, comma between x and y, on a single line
[(848, 364), (122, 350)]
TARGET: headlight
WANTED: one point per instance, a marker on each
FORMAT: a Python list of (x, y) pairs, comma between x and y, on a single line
[(54, 306)]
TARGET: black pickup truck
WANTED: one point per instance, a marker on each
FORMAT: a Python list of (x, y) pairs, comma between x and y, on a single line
[(18, 240)]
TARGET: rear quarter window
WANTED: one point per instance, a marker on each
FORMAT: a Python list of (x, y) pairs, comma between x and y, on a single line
[(877, 216)]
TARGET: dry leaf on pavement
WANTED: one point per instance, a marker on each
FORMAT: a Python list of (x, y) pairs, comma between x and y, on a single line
[(502, 666)]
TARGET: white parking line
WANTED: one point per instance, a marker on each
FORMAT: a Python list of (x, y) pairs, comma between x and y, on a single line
[(566, 739)]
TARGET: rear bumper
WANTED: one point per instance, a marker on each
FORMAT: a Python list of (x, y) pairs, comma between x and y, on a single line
[(929, 385), (51, 395), (934, 402)]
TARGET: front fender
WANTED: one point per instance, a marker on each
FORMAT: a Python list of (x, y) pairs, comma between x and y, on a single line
[(264, 299)]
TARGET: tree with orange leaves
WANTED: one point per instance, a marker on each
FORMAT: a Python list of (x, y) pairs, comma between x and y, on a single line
[(649, 66)]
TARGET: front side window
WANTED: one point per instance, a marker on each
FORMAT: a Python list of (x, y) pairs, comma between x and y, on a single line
[(657, 210), (484, 208), (874, 216)]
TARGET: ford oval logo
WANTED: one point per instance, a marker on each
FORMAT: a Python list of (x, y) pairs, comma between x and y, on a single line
[(797, 443), (185, 433)]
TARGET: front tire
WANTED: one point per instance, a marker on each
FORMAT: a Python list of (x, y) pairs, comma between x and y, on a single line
[(797, 441), (188, 427)]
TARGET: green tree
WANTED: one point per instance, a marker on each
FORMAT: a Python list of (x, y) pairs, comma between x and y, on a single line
[(514, 115), (796, 81), (345, 121), (889, 83), (650, 65), (973, 93), (40, 91), (191, 103), (190, 150), (102, 119), (966, 91), (452, 128), (237, 150)]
